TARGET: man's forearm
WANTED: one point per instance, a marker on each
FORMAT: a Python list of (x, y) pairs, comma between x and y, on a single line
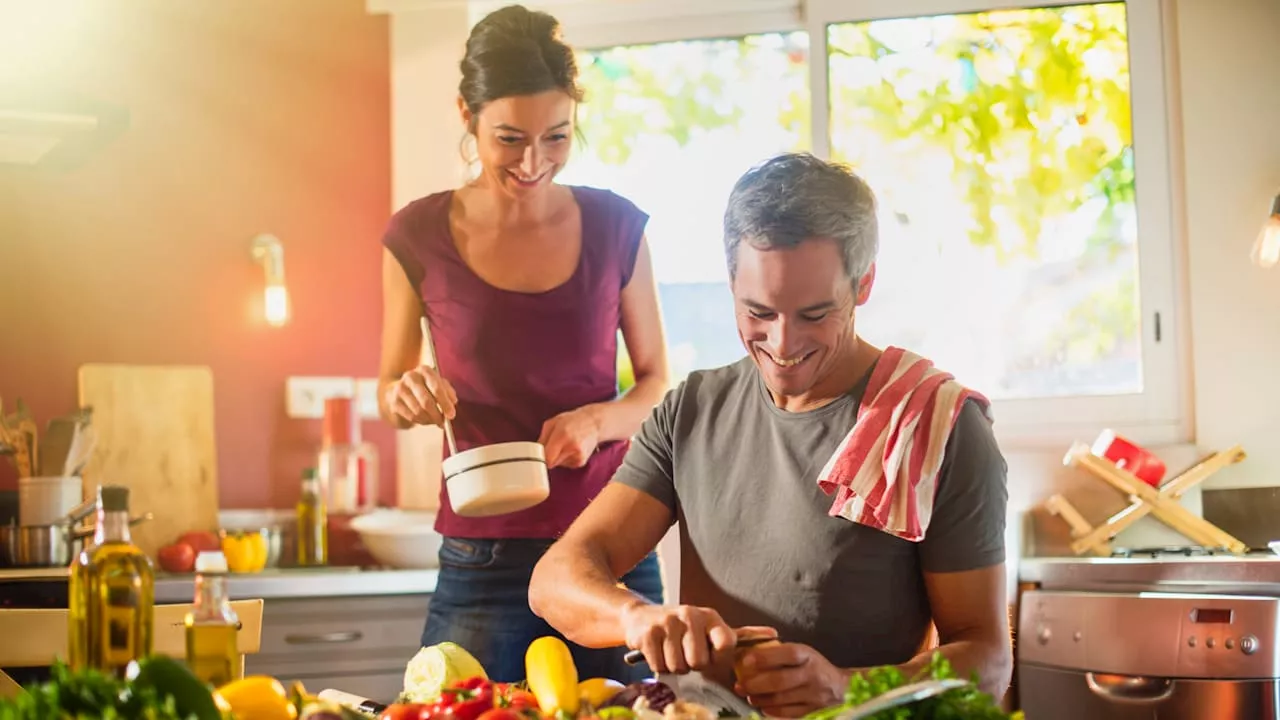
[(576, 594), (991, 660)]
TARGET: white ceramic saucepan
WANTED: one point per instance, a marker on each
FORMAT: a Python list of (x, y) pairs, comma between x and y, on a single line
[(492, 479)]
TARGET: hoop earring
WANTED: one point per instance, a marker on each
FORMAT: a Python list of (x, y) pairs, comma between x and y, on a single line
[(470, 158)]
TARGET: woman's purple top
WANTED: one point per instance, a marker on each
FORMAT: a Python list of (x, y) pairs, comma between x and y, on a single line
[(517, 359)]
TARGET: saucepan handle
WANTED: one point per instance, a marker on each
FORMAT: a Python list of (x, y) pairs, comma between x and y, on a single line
[(1132, 689)]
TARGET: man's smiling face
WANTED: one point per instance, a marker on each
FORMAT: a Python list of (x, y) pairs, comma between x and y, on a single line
[(795, 309)]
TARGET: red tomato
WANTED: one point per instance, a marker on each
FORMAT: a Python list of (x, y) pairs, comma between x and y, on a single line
[(501, 714), (177, 558), (414, 711), (517, 699), (201, 541)]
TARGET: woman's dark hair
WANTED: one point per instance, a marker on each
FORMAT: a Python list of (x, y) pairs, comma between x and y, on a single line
[(516, 51)]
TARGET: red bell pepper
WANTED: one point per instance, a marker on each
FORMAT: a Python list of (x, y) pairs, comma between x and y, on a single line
[(469, 699)]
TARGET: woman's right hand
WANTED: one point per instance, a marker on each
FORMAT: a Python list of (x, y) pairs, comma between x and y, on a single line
[(422, 397)]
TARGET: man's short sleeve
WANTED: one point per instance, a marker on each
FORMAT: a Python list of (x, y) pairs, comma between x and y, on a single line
[(966, 531), (649, 465)]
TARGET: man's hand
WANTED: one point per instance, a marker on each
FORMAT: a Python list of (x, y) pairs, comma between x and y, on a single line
[(677, 639), (789, 680)]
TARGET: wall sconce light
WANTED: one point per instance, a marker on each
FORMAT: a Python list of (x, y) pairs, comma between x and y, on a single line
[(1266, 249), (267, 250)]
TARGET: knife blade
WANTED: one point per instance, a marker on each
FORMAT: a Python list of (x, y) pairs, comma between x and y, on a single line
[(904, 695), (360, 704)]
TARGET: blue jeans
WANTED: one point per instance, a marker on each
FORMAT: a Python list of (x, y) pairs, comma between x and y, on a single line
[(481, 602)]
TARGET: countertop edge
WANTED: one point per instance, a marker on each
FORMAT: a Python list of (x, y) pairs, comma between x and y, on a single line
[(338, 582), (354, 584)]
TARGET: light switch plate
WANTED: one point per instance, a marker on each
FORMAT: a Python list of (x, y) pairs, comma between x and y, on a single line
[(304, 396), (367, 398)]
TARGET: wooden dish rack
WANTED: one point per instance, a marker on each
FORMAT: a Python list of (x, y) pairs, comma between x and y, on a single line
[(1146, 500)]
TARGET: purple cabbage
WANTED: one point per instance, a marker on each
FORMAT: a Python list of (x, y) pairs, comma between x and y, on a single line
[(659, 695)]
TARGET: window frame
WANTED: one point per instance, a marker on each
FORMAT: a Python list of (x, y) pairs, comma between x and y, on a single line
[(1161, 413)]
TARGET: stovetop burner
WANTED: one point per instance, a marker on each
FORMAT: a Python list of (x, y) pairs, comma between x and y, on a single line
[(1181, 551)]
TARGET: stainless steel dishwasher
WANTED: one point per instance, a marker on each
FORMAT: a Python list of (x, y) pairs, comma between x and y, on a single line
[(1131, 655)]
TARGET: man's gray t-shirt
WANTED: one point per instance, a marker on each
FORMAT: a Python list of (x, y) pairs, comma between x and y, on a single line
[(756, 542)]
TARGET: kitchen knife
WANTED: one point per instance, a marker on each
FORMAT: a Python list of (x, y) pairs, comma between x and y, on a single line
[(904, 695), (635, 657), (362, 705)]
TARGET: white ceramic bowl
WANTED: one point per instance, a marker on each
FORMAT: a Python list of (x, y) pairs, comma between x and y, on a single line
[(497, 479), (400, 538)]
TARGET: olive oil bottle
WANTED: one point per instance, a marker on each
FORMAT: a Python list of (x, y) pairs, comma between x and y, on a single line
[(212, 654), (313, 521), (111, 596)]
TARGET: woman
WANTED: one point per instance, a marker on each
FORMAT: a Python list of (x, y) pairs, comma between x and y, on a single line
[(525, 283)]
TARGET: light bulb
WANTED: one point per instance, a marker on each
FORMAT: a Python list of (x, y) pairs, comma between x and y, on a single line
[(275, 305), (275, 299), (1266, 249)]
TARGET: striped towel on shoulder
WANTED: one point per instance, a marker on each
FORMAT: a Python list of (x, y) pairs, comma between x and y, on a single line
[(884, 473)]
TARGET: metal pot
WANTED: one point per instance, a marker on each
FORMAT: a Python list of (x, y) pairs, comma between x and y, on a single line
[(38, 546), (8, 545), (43, 546)]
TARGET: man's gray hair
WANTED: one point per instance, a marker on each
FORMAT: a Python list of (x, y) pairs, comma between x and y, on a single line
[(795, 197)]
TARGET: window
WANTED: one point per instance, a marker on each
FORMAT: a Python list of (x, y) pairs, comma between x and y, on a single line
[(1020, 156), (1001, 151), (671, 127)]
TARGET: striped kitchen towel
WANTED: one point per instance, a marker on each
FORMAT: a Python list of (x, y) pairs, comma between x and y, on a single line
[(885, 472)]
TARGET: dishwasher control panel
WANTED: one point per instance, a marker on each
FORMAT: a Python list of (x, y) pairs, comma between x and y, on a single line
[(1151, 634)]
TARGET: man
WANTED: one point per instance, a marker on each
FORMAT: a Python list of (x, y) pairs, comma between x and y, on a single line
[(734, 454)]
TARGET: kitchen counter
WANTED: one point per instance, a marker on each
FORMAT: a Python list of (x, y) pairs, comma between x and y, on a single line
[(340, 627), (1253, 574), (275, 583)]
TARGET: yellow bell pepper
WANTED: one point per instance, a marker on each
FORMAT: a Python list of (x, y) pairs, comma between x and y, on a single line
[(257, 697), (598, 691), (551, 675), (245, 552)]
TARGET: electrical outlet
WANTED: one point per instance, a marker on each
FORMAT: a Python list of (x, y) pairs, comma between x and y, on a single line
[(304, 396), (367, 398)]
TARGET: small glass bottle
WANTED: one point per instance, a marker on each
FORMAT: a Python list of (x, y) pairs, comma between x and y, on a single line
[(111, 594), (313, 522), (212, 654), (348, 466)]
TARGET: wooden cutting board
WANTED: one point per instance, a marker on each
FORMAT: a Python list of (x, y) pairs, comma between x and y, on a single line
[(154, 427)]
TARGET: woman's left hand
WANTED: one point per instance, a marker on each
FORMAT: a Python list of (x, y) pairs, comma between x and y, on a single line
[(571, 437)]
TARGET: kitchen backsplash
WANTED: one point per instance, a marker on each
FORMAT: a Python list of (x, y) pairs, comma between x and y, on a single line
[(1250, 514)]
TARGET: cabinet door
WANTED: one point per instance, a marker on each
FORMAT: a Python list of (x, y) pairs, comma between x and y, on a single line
[(1052, 694), (358, 645)]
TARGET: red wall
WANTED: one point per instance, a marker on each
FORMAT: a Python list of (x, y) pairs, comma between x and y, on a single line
[(248, 116)]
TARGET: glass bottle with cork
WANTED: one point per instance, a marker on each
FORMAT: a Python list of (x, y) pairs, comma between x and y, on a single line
[(111, 594), (313, 521), (211, 626), (348, 466)]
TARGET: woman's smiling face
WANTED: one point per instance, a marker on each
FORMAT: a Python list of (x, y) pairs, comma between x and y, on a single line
[(523, 141)]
